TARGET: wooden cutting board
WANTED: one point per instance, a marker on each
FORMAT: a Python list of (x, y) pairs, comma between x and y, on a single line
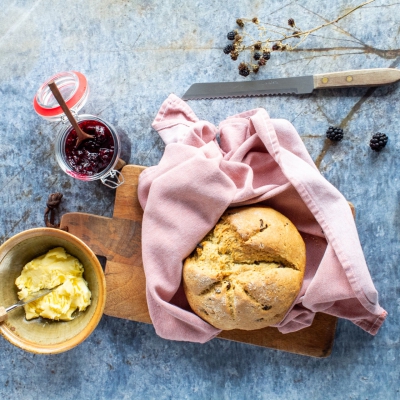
[(119, 240)]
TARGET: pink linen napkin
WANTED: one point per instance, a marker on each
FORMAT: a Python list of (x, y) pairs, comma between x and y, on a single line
[(256, 160)]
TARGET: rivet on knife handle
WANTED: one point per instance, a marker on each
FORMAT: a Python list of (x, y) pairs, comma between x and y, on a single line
[(360, 77)]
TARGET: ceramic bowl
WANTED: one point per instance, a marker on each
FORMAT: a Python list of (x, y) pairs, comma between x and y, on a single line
[(40, 335)]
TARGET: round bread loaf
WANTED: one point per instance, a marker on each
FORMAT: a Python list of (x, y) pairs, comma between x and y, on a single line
[(246, 273)]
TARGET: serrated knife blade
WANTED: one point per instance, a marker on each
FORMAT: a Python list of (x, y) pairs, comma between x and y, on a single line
[(293, 85), (299, 85)]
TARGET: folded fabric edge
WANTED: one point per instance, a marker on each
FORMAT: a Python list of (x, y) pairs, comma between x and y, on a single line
[(374, 327), (169, 102), (189, 339)]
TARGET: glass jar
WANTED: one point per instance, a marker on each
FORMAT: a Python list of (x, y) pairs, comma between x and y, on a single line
[(95, 158)]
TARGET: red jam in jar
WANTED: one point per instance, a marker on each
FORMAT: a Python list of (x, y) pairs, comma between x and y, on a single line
[(93, 155)]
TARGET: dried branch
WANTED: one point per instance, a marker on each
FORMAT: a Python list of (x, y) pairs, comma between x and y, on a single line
[(261, 49)]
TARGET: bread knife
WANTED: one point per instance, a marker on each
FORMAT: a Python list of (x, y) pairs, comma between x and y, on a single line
[(293, 85)]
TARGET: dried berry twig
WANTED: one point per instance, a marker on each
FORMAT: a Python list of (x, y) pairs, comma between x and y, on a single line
[(262, 47)]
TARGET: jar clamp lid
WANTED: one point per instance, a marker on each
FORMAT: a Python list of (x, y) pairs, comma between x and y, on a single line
[(74, 88)]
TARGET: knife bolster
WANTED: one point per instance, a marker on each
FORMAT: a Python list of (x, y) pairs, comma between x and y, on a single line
[(361, 77)]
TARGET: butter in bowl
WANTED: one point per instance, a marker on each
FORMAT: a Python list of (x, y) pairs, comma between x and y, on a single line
[(61, 320)]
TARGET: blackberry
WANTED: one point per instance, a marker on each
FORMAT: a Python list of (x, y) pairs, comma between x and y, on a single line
[(231, 35), (228, 49), (244, 71), (291, 22), (257, 46), (262, 61), (378, 141), (275, 47), (257, 56), (266, 55), (335, 134)]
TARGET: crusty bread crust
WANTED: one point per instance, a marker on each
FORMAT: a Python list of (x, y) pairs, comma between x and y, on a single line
[(247, 271)]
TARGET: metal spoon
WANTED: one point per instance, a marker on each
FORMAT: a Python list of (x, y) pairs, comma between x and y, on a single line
[(81, 135), (29, 299)]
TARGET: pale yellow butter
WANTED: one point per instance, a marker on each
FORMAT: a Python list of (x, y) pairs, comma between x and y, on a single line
[(56, 267)]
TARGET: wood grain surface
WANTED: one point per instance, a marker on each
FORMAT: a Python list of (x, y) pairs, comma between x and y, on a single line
[(119, 240), (360, 77)]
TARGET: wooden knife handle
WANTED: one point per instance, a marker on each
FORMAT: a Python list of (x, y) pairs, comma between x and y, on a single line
[(3, 314), (360, 77)]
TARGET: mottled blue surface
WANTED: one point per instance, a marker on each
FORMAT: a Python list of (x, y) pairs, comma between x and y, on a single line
[(134, 54)]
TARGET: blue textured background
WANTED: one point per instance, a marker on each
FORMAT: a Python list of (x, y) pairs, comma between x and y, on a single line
[(134, 54)]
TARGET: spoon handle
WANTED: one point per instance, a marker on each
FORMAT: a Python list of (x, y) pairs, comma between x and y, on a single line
[(53, 87), (3, 314)]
